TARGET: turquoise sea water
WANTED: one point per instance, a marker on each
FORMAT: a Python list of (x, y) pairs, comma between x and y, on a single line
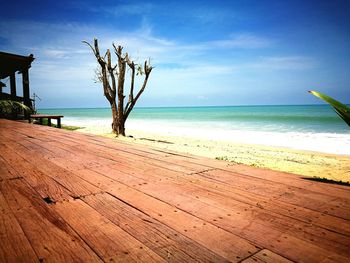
[(311, 127), (305, 118)]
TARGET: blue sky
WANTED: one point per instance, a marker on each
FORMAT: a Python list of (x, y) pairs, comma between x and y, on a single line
[(204, 52)]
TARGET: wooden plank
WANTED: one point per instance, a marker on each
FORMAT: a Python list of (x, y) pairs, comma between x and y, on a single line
[(271, 175), (205, 233), (227, 194), (124, 155), (285, 175), (328, 192), (336, 206), (287, 179), (7, 172), (37, 149), (222, 198), (110, 152), (15, 247), (281, 177), (262, 228), (80, 149), (53, 151), (50, 236), (43, 184), (266, 256), (109, 241), (166, 242), (83, 157), (65, 178), (46, 116), (19, 136)]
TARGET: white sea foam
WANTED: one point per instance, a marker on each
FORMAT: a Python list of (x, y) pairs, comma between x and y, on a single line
[(337, 143)]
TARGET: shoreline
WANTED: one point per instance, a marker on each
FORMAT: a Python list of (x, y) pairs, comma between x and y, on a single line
[(307, 163)]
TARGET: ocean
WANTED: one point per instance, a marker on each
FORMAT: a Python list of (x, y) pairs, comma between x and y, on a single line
[(305, 127)]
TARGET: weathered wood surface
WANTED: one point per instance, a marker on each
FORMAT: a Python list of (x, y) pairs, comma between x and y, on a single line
[(38, 116), (66, 196)]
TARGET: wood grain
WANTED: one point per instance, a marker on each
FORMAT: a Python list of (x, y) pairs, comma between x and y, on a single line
[(50, 236), (66, 196)]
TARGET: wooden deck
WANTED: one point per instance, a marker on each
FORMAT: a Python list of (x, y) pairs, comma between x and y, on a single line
[(71, 197)]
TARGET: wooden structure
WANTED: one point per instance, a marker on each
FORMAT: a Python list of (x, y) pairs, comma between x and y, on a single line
[(10, 64), (67, 197), (40, 117)]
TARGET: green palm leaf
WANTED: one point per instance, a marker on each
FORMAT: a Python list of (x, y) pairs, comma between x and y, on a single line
[(341, 109), (7, 106)]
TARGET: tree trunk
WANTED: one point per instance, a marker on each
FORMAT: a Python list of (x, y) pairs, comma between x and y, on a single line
[(118, 124), (121, 127)]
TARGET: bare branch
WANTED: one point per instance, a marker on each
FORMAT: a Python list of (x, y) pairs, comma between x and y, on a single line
[(98, 75), (87, 43), (104, 74), (118, 51), (131, 65), (104, 57), (111, 73), (147, 70), (96, 47), (109, 62)]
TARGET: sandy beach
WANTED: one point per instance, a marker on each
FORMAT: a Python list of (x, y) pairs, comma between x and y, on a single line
[(306, 163)]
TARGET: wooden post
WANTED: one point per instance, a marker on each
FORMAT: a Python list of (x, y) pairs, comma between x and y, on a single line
[(59, 122), (26, 96), (13, 85), (25, 82), (49, 121), (1, 86)]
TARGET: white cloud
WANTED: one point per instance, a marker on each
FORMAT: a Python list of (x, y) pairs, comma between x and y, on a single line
[(199, 69), (128, 9), (246, 40), (63, 62), (285, 63), (62, 40), (62, 53)]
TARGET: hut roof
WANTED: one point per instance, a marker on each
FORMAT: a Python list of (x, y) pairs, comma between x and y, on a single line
[(11, 63)]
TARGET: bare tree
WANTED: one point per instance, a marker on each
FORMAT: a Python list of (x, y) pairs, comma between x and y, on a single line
[(113, 79)]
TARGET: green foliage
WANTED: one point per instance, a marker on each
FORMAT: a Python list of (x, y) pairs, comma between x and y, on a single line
[(71, 128), (222, 158), (10, 108), (66, 127), (341, 109)]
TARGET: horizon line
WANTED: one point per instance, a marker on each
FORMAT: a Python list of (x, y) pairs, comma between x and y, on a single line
[(209, 106)]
